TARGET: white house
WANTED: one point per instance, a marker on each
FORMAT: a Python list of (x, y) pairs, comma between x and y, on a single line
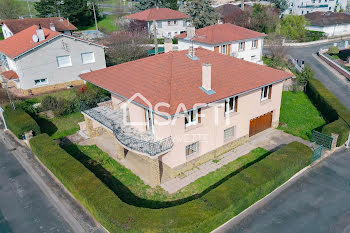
[(332, 24), (302, 7), (10, 27), (227, 39), (169, 23), (40, 60)]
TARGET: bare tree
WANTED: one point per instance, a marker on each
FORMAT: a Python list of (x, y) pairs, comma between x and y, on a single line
[(125, 46), (276, 48)]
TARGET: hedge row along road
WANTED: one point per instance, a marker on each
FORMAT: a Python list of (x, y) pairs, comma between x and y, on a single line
[(200, 215), (332, 110)]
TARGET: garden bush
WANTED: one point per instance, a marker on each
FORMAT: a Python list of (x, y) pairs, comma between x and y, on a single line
[(19, 122), (49, 103), (332, 110), (203, 214), (333, 50)]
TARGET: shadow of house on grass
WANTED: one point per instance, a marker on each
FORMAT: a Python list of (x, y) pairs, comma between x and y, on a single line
[(125, 194), (46, 126)]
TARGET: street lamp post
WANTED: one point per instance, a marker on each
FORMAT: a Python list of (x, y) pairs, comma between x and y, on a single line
[(3, 118), (93, 7)]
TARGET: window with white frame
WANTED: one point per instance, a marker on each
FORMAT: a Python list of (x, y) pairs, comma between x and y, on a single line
[(266, 92), (192, 149), (254, 43), (228, 133), (88, 58), (231, 105), (241, 45), (191, 118), (172, 22), (39, 82), (64, 61), (224, 49)]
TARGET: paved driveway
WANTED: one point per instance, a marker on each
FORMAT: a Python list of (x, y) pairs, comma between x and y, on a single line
[(23, 206), (318, 201)]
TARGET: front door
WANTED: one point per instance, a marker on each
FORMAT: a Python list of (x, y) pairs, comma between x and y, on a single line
[(260, 123), (150, 121)]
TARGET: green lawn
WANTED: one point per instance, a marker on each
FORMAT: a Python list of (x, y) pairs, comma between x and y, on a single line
[(300, 115), (59, 127), (107, 22), (131, 189)]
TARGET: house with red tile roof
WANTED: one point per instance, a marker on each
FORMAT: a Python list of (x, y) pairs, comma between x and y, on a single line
[(176, 110), (12, 26), (39, 60), (226, 39), (168, 22)]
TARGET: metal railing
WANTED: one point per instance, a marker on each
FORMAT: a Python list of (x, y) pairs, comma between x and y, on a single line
[(150, 148)]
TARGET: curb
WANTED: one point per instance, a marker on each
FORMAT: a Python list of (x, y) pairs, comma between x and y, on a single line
[(71, 210), (279, 188)]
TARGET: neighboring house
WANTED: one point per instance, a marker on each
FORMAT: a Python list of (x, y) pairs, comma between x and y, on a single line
[(227, 39), (303, 7), (12, 26), (44, 60), (174, 111), (332, 24), (169, 23)]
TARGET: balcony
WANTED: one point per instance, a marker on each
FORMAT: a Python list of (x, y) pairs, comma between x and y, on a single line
[(128, 136)]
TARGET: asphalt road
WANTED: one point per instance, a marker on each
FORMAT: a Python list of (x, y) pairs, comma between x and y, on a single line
[(316, 202), (23, 205), (327, 77)]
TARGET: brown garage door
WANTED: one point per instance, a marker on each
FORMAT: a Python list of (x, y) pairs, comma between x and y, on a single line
[(260, 124)]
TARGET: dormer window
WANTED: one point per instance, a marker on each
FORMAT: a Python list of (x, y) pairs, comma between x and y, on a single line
[(231, 104)]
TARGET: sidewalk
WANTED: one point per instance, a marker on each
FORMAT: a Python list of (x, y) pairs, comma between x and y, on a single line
[(271, 139)]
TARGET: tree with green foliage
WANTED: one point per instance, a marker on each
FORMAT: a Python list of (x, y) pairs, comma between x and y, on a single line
[(10, 9), (282, 5), (333, 50), (148, 4), (263, 19), (47, 8), (305, 75), (202, 13), (79, 12), (293, 27)]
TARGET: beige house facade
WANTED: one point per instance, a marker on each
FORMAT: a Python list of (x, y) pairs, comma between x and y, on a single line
[(190, 133)]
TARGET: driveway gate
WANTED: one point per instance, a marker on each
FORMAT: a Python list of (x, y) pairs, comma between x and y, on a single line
[(322, 139), (317, 153)]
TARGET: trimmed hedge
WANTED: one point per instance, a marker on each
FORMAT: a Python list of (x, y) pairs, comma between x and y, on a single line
[(331, 108), (19, 122), (203, 214)]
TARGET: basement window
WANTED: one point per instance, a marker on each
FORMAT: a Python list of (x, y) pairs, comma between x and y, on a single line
[(192, 149), (228, 134), (39, 82)]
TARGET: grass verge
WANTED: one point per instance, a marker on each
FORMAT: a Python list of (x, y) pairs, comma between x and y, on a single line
[(203, 214), (107, 23), (131, 189), (59, 127), (299, 115)]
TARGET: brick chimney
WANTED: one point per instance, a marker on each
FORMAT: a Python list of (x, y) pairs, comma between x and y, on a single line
[(168, 45), (52, 27), (206, 76), (40, 33)]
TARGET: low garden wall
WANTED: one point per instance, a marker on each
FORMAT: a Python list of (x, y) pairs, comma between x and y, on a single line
[(331, 109), (202, 214), (334, 65)]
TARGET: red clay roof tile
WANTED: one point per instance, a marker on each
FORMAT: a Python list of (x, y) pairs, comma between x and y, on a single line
[(17, 25), (157, 14), (22, 41), (174, 78), (10, 74), (220, 33)]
